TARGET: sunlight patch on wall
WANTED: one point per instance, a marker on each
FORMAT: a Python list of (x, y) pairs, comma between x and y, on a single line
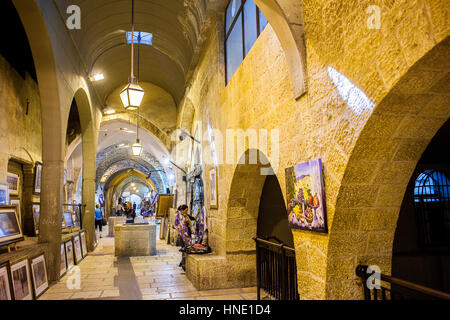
[(352, 95)]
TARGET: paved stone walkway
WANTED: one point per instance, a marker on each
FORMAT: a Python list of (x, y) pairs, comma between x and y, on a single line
[(104, 276)]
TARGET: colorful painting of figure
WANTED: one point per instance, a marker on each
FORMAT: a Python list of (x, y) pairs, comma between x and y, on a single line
[(305, 194)]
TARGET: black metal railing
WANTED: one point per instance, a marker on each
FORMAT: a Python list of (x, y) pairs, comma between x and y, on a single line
[(276, 269), (392, 288)]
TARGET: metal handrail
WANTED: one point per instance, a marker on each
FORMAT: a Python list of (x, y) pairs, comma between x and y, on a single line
[(361, 271)]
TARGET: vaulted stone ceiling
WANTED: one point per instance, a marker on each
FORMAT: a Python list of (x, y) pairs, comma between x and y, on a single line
[(175, 25)]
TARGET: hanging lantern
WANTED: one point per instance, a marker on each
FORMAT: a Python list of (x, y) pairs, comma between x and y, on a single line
[(137, 148), (132, 96)]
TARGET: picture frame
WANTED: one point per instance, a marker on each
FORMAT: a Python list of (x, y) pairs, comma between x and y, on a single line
[(16, 203), (10, 228), (68, 219), (84, 249), (21, 281), (305, 197), (4, 194), (39, 277), (13, 180), (36, 209), (63, 262), (68, 245), (37, 178), (6, 291), (77, 248), (213, 185)]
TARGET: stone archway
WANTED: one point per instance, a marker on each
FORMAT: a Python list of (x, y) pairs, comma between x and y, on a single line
[(379, 169), (89, 147), (52, 130), (286, 19)]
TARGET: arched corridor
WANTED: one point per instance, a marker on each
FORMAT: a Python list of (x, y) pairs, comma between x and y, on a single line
[(305, 137)]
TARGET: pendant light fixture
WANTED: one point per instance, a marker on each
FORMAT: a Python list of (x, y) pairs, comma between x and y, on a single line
[(132, 94)]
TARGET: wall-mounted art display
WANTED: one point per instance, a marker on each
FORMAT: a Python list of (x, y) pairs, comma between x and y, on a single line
[(83, 243), (13, 180), (63, 262), (77, 248), (306, 197), (36, 208), (20, 275), (4, 194), (5, 282), (37, 178), (69, 254), (39, 275), (213, 188), (16, 203), (68, 219), (10, 229)]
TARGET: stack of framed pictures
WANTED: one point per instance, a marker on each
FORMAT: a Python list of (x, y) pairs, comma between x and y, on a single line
[(24, 279), (73, 251)]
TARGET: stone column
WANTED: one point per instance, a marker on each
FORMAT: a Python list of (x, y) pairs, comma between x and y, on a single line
[(88, 212), (51, 213)]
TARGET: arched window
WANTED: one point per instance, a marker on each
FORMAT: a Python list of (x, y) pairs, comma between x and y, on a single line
[(432, 207)]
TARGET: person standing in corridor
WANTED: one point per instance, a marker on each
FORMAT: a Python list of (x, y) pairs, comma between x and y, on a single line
[(98, 219)]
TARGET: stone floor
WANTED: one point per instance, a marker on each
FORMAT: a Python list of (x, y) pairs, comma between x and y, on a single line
[(103, 276)]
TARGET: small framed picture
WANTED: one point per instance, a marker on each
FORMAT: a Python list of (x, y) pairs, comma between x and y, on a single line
[(39, 275), (77, 248), (214, 204), (37, 178), (6, 292), (69, 254), (4, 194), (16, 203), (10, 229), (63, 265), (20, 275), (36, 208), (13, 180), (84, 249), (68, 219)]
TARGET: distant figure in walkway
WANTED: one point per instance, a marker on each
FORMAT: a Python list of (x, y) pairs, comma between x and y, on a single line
[(130, 213), (98, 219), (119, 209)]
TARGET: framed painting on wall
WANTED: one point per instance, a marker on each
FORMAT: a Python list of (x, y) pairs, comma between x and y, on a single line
[(68, 219), (5, 283), (69, 254), (4, 194), (20, 275), (306, 197), (13, 180), (38, 178), (10, 229), (39, 275), (16, 203), (213, 188), (84, 250), (36, 207), (63, 263), (77, 248)]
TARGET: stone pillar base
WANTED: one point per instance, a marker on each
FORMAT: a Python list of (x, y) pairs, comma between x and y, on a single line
[(221, 272), (135, 240)]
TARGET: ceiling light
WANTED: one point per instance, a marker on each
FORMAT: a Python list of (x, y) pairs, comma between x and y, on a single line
[(137, 148), (132, 94), (97, 77), (109, 111)]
